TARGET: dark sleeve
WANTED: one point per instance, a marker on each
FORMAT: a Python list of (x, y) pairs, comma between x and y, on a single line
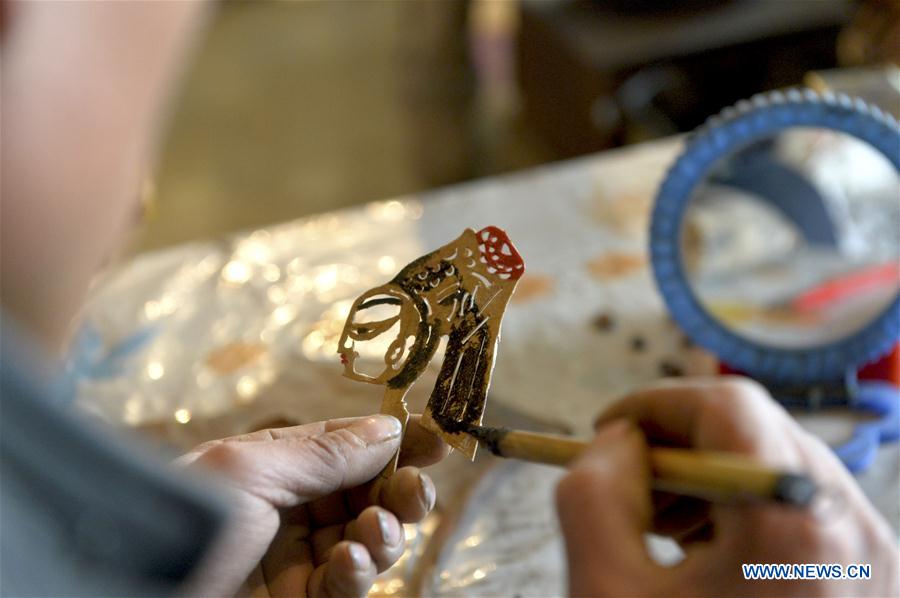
[(84, 513)]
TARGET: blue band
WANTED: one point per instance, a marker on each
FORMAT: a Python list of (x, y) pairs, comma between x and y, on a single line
[(730, 131)]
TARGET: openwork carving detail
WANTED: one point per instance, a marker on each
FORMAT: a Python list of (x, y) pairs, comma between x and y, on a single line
[(459, 291)]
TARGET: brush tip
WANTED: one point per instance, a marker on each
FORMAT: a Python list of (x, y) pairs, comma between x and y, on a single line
[(487, 436), (475, 431)]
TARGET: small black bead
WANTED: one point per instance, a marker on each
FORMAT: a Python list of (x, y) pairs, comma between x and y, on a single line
[(670, 370), (604, 322), (638, 344)]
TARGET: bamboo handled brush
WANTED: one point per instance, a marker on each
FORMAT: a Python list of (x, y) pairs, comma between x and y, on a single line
[(709, 475)]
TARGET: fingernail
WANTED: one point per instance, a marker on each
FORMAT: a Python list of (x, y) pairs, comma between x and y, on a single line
[(614, 441), (377, 428), (427, 492), (390, 534), (359, 555), (617, 431)]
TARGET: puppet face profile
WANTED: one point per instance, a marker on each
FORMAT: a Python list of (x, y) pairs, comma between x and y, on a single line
[(459, 291), (378, 312)]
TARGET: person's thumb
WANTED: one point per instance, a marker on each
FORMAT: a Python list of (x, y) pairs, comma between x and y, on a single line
[(604, 509), (290, 471)]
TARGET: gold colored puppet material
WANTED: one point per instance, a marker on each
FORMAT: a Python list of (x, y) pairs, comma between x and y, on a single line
[(459, 291)]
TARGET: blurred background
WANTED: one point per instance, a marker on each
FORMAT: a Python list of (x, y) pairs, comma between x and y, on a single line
[(293, 108)]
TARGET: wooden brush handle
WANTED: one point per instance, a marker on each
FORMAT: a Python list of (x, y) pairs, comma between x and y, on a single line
[(714, 476)]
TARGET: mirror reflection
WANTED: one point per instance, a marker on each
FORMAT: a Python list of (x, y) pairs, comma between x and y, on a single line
[(795, 240)]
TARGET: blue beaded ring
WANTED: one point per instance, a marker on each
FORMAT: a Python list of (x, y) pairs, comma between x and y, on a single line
[(730, 131)]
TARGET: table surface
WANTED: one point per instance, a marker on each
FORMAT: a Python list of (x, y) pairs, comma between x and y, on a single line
[(215, 338)]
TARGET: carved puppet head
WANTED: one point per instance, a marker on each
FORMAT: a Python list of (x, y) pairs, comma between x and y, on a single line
[(459, 291)]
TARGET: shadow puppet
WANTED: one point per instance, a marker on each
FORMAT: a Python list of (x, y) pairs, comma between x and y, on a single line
[(459, 291)]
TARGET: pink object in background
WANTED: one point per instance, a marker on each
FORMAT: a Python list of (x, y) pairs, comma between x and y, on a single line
[(847, 285)]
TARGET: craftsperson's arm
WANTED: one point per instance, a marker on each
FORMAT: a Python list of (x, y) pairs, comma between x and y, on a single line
[(606, 507)]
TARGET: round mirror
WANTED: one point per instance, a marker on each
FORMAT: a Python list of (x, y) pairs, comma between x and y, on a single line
[(775, 239), (793, 241)]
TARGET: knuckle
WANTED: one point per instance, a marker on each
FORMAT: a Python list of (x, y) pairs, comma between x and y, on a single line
[(225, 456), (571, 489), (739, 391), (732, 400), (723, 409), (734, 413), (330, 449)]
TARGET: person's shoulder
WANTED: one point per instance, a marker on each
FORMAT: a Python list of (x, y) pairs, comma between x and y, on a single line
[(85, 512)]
